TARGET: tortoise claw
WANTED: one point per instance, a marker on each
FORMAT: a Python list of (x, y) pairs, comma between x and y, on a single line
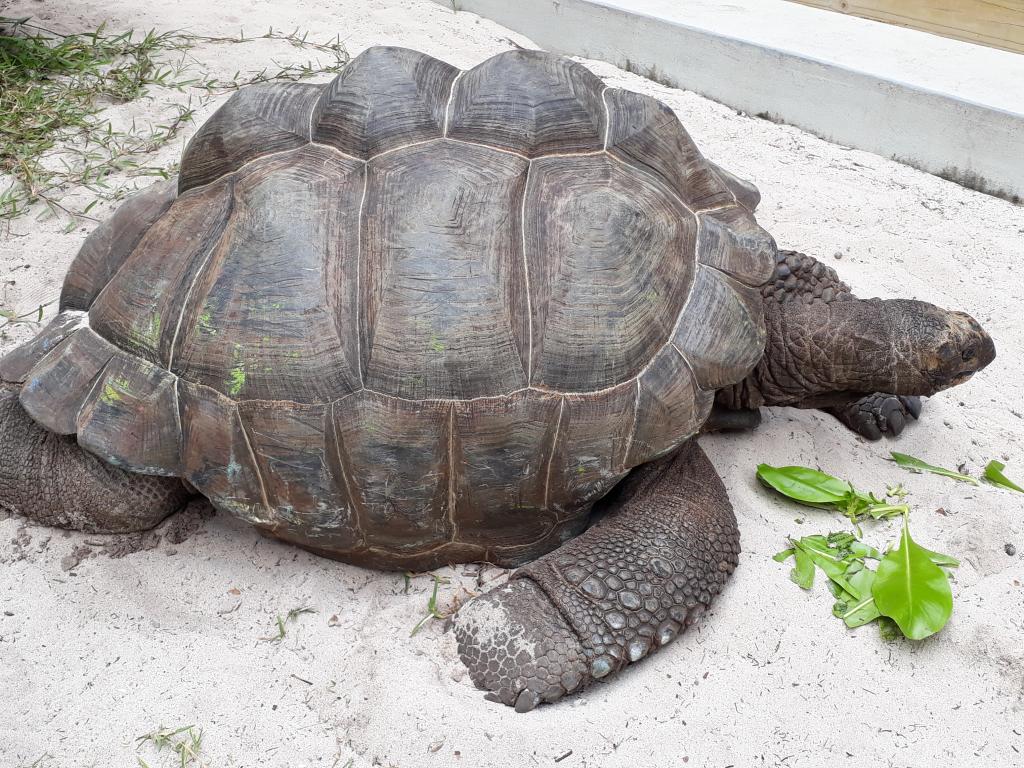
[(879, 414)]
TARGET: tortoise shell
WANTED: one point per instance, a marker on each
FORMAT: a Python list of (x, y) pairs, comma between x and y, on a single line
[(415, 315)]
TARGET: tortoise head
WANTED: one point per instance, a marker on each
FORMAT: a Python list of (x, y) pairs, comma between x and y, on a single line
[(951, 346), (918, 348), (898, 346)]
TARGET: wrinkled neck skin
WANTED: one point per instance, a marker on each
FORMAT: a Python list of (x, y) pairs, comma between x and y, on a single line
[(820, 354)]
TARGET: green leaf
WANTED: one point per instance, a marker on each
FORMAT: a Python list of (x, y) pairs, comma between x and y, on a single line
[(917, 465), (994, 474), (784, 555), (805, 485), (831, 562), (863, 611), (912, 590), (803, 569), (860, 549)]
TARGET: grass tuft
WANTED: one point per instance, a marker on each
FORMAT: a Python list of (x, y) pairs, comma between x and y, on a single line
[(54, 88), (185, 742), (283, 621), (433, 612)]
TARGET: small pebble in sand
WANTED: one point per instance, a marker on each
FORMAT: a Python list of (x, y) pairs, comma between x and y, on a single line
[(837, 255), (1010, 549)]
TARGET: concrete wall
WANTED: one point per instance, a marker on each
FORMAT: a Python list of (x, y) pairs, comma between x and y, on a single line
[(947, 107)]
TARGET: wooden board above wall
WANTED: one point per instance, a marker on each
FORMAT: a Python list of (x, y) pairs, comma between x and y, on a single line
[(997, 23)]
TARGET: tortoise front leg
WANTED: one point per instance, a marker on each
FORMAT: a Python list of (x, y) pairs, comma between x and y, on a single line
[(625, 587), (48, 478)]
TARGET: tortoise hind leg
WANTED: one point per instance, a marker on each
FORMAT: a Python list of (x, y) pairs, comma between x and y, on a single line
[(48, 478), (623, 588)]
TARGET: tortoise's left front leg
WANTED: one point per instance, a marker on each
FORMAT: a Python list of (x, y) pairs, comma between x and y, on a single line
[(623, 588)]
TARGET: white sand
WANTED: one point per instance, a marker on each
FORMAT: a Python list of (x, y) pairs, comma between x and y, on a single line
[(93, 657)]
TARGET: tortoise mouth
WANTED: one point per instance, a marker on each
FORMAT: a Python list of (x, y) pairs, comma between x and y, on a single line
[(961, 377)]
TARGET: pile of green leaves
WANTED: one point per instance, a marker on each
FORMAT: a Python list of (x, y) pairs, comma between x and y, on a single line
[(908, 590), (908, 587), (817, 489)]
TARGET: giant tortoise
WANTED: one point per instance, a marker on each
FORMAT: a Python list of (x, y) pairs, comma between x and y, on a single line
[(419, 316)]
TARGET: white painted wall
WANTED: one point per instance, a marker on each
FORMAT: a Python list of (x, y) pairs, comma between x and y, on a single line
[(945, 106)]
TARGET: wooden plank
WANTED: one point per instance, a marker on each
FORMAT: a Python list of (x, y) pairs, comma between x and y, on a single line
[(999, 25)]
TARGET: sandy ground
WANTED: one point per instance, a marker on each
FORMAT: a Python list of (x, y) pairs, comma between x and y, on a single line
[(102, 641)]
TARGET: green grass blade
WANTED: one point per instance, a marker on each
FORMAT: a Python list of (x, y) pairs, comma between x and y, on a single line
[(915, 464), (994, 474)]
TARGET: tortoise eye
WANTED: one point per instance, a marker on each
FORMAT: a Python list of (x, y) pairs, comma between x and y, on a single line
[(968, 354)]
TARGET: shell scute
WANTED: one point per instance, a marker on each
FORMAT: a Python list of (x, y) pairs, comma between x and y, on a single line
[(256, 120), (385, 97), (16, 365), (216, 456), (444, 313), (395, 455), (130, 417), (722, 330), (272, 313), (139, 308), (108, 246), (58, 386), (647, 132), (610, 256), (531, 102), (290, 446), (590, 448), (501, 453), (670, 407), (731, 241)]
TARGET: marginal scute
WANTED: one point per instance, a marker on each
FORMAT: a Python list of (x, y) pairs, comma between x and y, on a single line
[(130, 418), (590, 448), (16, 365), (384, 98), (670, 407), (56, 388), (305, 488), (501, 453), (610, 255), (532, 102), (397, 452), (722, 331), (256, 120), (444, 311), (216, 456), (108, 246), (646, 133), (731, 241), (746, 192), (272, 314), (139, 309)]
